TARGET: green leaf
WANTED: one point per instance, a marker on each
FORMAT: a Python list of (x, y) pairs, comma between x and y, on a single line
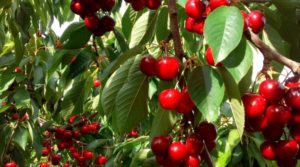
[(143, 29), (207, 91), (163, 122), (121, 41), (128, 20), (223, 31), (5, 131), (131, 100), (35, 138), (72, 27), (22, 98), (233, 94), (21, 137), (162, 30), (140, 157), (96, 143), (224, 155), (239, 62), (78, 37), (6, 81)]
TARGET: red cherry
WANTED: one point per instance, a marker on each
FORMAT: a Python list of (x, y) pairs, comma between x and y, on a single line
[(194, 144), (273, 133), (88, 154), (18, 69), (44, 164), (293, 82), (256, 21), (193, 161), (133, 134), (167, 68), (178, 152), (97, 83), (194, 8), (91, 22), (207, 131), (254, 104), (295, 118), (198, 27), (62, 145), (245, 16), (68, 134), (278, 115), (186, 104), (76, 155), (10, 164), (45, 152), (85, 129), (71, 119), (108, 22), (153, 4), (73, 149), (288, 162), (160, 145), (99, 31), (138, 5), (148, 65), (287, 149), (207, 11), (55, 159), (15, 117), (267, 150), (211, 145), (292, 97), (271, 90), (256, 123), (77, 7), (189, 24), (96, 126), (169, 99), (60, 130), (108, 5), (295, 133), (101, 160), (209, 57), (217, 3), (76, 133)]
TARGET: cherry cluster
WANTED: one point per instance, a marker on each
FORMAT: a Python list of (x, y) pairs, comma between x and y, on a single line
[(190, 153), (87, 9), (275, 111), (138, 5), (69, 139), (198, 10)]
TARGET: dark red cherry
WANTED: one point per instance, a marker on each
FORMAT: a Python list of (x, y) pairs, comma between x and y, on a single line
[(148, 65), (292, 97), (160, 145), (153, 4), (268, 150), (254, 104), (18, 69), (293, 82), (107, 5), (295, 132), (108, 22), (207, 131), (287, 149), (77, 7), (91, 22), (194, 144), (138, 5), (271, 90), (15, 117), (256, 123), (45, 152), (178, 152), (55, 159), (198, 27), (192, 161), (273, 133), (167, 68), (256, 21), (278, 114), (186, 104), (189, 24), (194, 8), (217, 3), (169, 99), (288, 162)]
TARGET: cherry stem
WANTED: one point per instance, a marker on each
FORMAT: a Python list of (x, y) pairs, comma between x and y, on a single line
[(207, 156), (271, 54), (96, 50)]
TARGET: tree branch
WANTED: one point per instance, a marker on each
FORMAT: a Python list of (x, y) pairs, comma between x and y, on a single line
[(270, 54), (175, 29)]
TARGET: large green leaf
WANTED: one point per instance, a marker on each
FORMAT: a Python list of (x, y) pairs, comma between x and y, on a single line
[(233, 94), (163, 122), (128, 19), (22, 98), (223, 31), (131, 100), (207, 91), (6, 132), (21, 137), (6, 81), (162, 30), (239, 62), (143, 29), (78, 37), (35, 137)]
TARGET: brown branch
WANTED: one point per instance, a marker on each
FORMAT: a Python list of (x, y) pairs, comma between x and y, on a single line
[(270, 54), (175, 29)]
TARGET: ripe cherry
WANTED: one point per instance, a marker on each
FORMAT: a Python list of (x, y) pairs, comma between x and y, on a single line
[(167, 68), (254, 104), (153, 4), (271, 90), (169, 99), (88, 154), (72, 118), (91, 22), (45, 152), (287, 149), (15, 117), (101, 160), (194, 8), (211, 145), (133, 134), (293, 82), (245, 16), (138, 5), (256, 123), (108, 5), (189, 23), (55, 159), (97, 83), (292, 97), (217, 3), (273, 133), (295, 132), (76, 133), (77, 7), (67, 134), (10, 164), (207, 131), (256, 21), (108, 22), (193, 161), (268, 151), (278, 114), (178, 152), (198, 27), (160, 145), (85, 129), (18, 69), (186, 104), (209, 57), (44, 164), (148, 65), (288, 162), (194, 144)]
